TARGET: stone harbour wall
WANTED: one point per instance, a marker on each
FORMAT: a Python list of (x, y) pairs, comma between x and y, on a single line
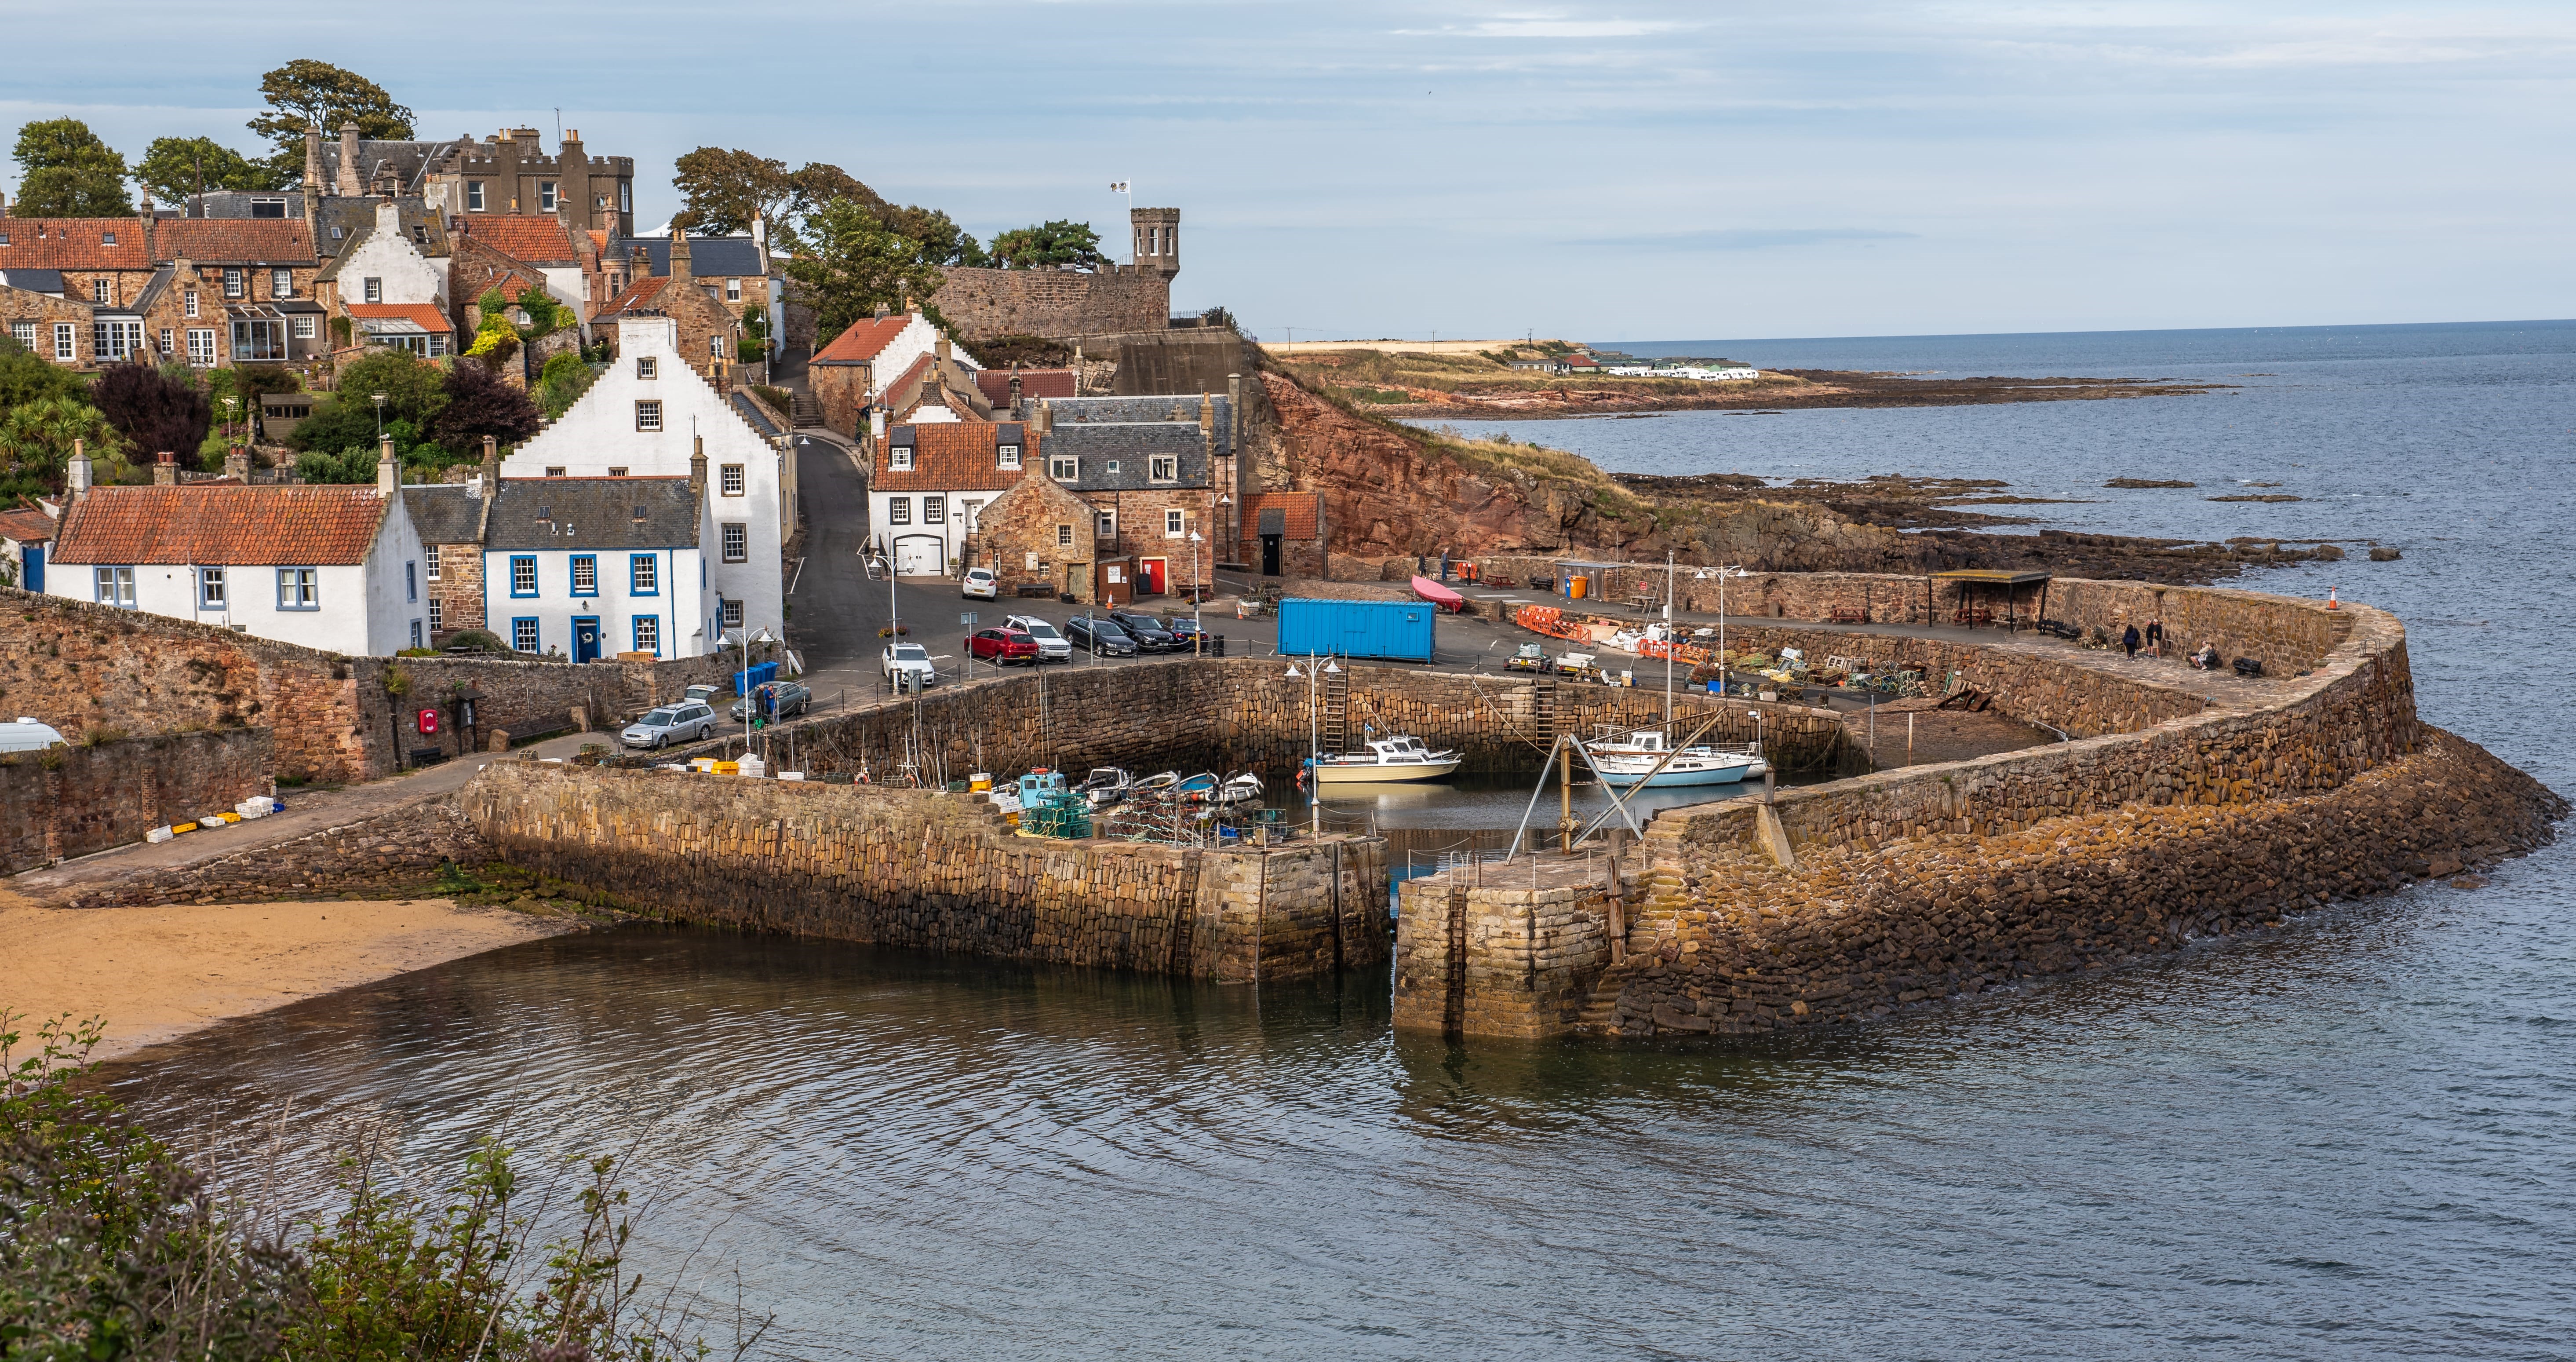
[(932, 871), (400, 852), (73, 800), (982, 304)]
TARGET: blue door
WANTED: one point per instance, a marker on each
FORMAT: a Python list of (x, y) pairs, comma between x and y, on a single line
[(585, 638), (35, 556)]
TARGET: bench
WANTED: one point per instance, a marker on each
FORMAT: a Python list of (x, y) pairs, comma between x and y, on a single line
[(1040, 590), (427, 756), (1850, 614)]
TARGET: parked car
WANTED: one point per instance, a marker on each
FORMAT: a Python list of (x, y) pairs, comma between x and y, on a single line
[(1149, 633), (785, 698), (1102, 636), (1052, 646), (999, 646), (689, 722), (909, 661), (982, 584), (1184, 629)]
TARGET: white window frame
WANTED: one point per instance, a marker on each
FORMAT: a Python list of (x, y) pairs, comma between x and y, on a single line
[(1006, 456), (1175, 524), (98, 289), (303, 325), (729, 480), (934, 510), (66, 343), (1104, 524), (24, 333), (644, 367), (899, 459), (437, 612), (188, 302), (236, 282), (474, 196), (648, 416), (201, 346), (281, 283), (546, 195), (1166, 468), (735, 537), (430, 552), (1064, 468)]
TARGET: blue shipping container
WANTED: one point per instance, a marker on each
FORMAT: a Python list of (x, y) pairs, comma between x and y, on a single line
[(1396, 629), (761, 675)]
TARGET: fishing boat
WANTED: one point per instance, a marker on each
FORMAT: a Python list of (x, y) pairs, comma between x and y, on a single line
[(1624, 764), (1198, 789), (1398, 758), (1106, 785), (1243, 787), (1439, 595), (1157, 786)]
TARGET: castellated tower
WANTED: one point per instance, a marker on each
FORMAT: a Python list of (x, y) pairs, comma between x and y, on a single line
[(1158, 240)]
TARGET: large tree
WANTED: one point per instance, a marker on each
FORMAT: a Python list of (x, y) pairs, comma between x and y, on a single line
[(1049, 244), (174, 167), (36, 444), (415, 392), (306, 93), (480, 404), (26, 377), (851, 264), (65, 171), (152, 411), (721, 191)]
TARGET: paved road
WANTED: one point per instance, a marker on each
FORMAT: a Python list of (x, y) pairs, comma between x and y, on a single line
[(835, 610)]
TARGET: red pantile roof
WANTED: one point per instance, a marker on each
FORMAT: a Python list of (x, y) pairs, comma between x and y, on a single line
[(1034, 383), (217, 524), (427, 314), (512, 283), (537, 240), (641, 293), (74, 244), (1302, 510), (26, 527), (952, 456), (235, 241), (863, 342)]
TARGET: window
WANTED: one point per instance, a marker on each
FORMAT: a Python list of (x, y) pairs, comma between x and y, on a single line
[(715, 347), (934, 510), (733, 290), (625, 197), (65, 340), (25, 333), (640, 574), (304, 326), (546, 195), (268, 208), (644, 366), (729, 479), (296, 589), (98, 290), (166, 335), (411, 582), (554, 470), (281, 283), (210, 588), (436, 614), (115, 586), (899, 458), (115, 340), (188, 301), (1063, 467), (430, 551), (236, 282), (1007, 456), (437, 346), (585, 574), (619, 473), (523, 634), (648, 416), (1108, 525), (474, 196), (1063, 535), (737, 542), (373, 289), (898, 510), (523, 575), (107, 238), (731, 618), (259, 339), (1113, 468), (415, 633), (1173, 525), (201, 347), (1167, 468), (648, 634)]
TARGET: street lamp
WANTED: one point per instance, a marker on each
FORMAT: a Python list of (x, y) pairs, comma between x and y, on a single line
[(229, 404), (1722, 574), (1314, 739), (746, 638), (380, 416), (1198, 589)]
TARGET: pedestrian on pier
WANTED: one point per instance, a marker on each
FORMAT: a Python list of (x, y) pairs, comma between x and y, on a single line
[(2155, 638), (2129, 641)]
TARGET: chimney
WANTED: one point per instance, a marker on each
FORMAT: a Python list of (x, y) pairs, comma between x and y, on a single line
[(760, 240), (943, 356), (350, 186), (1015, 387), (237, 463), (679, 258), (1046, 417), (1234, 411), (881, 312), (388, 471), (312, 170), (698, 468), (388, 218), (4, 205), (491, 474), (1207, 416), (80, 469), (165, 470)]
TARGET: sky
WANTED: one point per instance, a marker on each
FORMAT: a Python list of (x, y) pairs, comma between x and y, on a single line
[(1600, 171)]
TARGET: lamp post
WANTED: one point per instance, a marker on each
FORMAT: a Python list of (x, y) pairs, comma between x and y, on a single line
[(379, 399), (1722, 574), (1198, 635), (1314, 741), (229, 404), (746, 639)]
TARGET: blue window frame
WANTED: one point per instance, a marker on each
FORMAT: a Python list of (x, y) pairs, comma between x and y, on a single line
[(415, 633), (642, 576), (523, 574), (411, 584), (648, 634), (523, 633), (298, 589), (115, 586), (585, 574)]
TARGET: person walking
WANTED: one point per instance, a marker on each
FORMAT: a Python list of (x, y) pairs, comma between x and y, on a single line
[(2129, 641)]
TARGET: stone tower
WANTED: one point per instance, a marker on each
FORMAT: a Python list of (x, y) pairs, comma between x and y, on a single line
[(1158, 239)]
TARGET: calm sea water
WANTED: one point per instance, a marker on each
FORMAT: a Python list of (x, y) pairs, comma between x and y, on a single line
[(2350, 1139)]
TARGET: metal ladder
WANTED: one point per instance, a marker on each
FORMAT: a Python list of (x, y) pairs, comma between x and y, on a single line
[(1545, 720), (1337, 710)]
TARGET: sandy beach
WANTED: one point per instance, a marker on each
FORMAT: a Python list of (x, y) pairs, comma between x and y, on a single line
[(157, 973)]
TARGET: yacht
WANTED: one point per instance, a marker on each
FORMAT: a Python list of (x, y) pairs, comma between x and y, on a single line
[(1623, 764), (1399, 758)]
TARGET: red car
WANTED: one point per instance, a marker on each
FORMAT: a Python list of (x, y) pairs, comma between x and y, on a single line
[(998, 646)]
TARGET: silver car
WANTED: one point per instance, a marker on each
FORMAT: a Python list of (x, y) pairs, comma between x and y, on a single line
[(670, 724), (1052, 646)]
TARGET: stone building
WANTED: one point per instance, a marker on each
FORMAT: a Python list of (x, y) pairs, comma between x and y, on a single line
[(210, 293), (734, 270), (981, 304), (709, 334), (851, 374), (510, 175), (539, 250), (1156, 471), (1282, 534), (931, 482), (452, 520), (1037, 533), (383, 288)]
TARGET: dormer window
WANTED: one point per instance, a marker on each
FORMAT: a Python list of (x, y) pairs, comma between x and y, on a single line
[(899, 459), (1113, 468), (1167, 468), (1008, 456), (1063, 467)]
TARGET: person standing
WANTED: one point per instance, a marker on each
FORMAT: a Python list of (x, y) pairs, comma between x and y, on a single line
[(2155, 638), (2129, 641)]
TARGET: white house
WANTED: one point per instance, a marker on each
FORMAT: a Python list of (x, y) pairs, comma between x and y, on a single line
[(645, 418), (332, 567), (593, 567), (389, 287)]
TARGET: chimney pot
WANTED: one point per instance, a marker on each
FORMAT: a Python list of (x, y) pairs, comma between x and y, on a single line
[(165, 470)]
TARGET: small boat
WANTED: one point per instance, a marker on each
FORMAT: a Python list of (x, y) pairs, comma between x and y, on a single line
[(1439, 595), (1158, 786), (1629, 763), (1106, 785), (1240, 788), (1198, 789), (1398, 758)]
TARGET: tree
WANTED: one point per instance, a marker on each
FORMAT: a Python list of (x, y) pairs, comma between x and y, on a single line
[(943, 242), (67, 172), (480, 404), (171, 165), (314, 94), (152, 412), (1049, 244), (723, 190), (852, 264), (25, 377), (415, 390), (36, 444)]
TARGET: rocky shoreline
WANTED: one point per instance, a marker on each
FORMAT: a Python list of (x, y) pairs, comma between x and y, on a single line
[(1781, 390)]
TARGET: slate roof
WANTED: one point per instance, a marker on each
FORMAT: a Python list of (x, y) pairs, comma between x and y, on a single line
[(74, 244), (757, 415), (426, 315), (355, 220), (591, 513), (864, 341), (959, 456), (220, 524), (538, 240), (407, 159), (444, 514), (233, 203), (1301, 511), (235, 241), (26, 527), (33, 281), (709, 256), (1132, 445), (1034, 384), (1077, 410)]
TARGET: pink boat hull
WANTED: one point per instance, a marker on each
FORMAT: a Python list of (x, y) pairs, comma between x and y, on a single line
[(1439, 595)]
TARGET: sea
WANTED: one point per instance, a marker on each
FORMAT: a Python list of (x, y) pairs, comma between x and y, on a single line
[(2352, 1138)]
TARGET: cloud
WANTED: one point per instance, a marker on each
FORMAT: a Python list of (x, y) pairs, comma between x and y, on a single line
[(1741, 238), (1549, 26)]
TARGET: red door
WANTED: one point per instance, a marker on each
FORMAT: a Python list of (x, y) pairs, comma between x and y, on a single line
[(1155, 571)]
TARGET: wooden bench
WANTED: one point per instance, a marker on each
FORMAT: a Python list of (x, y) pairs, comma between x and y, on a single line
[(1850, 614)]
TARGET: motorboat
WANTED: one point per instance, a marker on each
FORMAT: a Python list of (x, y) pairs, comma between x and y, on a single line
[(1634, 762), (1106, 785), (1198, 789), (1156, 786), (1398, 758), (1242, 787)]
